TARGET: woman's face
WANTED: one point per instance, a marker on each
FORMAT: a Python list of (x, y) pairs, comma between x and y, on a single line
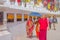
[(30, 18), (43, 16)]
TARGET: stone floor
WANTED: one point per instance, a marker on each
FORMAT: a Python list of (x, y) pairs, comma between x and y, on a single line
[(19, 33)]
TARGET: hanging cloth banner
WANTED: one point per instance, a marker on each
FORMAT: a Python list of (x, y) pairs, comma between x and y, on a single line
[(48, 1), (52, 0), (55, 8), (12, 2), (19, 2), (27, 0), (39, 1), (45, 3), (48, 6), (52, 7), (36, 3)]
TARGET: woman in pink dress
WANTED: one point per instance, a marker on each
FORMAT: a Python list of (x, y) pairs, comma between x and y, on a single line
[(43, 27)]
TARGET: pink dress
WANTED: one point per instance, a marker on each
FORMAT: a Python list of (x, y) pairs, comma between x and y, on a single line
[(43, 28)]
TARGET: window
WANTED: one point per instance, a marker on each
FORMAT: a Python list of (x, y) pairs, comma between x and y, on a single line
[(25, 17), (10, 17), (19, 17), (1, 18)]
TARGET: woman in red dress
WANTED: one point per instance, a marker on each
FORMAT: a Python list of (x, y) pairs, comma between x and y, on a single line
[(29, 27), (43, 27)]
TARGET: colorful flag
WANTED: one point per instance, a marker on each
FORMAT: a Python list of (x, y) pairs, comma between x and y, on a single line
[(49, 6), (48, 1), (39, 1), (12, 0), (19, 2), (27, 0), (52, 7), (45, 3), (55, 8)]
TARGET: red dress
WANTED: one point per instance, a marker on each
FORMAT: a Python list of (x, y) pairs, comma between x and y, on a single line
[(29, 28), (37, 30)]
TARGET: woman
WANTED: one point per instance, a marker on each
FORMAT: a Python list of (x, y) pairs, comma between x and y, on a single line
[(43, 27), (29, 27), (37, 28)]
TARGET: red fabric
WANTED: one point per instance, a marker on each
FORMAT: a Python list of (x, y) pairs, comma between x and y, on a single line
[(48, 1), (37, 34), (18, 1), (45, 3), (43, 23), (43, 35), (30, 28), (52, 7), (28, 22)]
